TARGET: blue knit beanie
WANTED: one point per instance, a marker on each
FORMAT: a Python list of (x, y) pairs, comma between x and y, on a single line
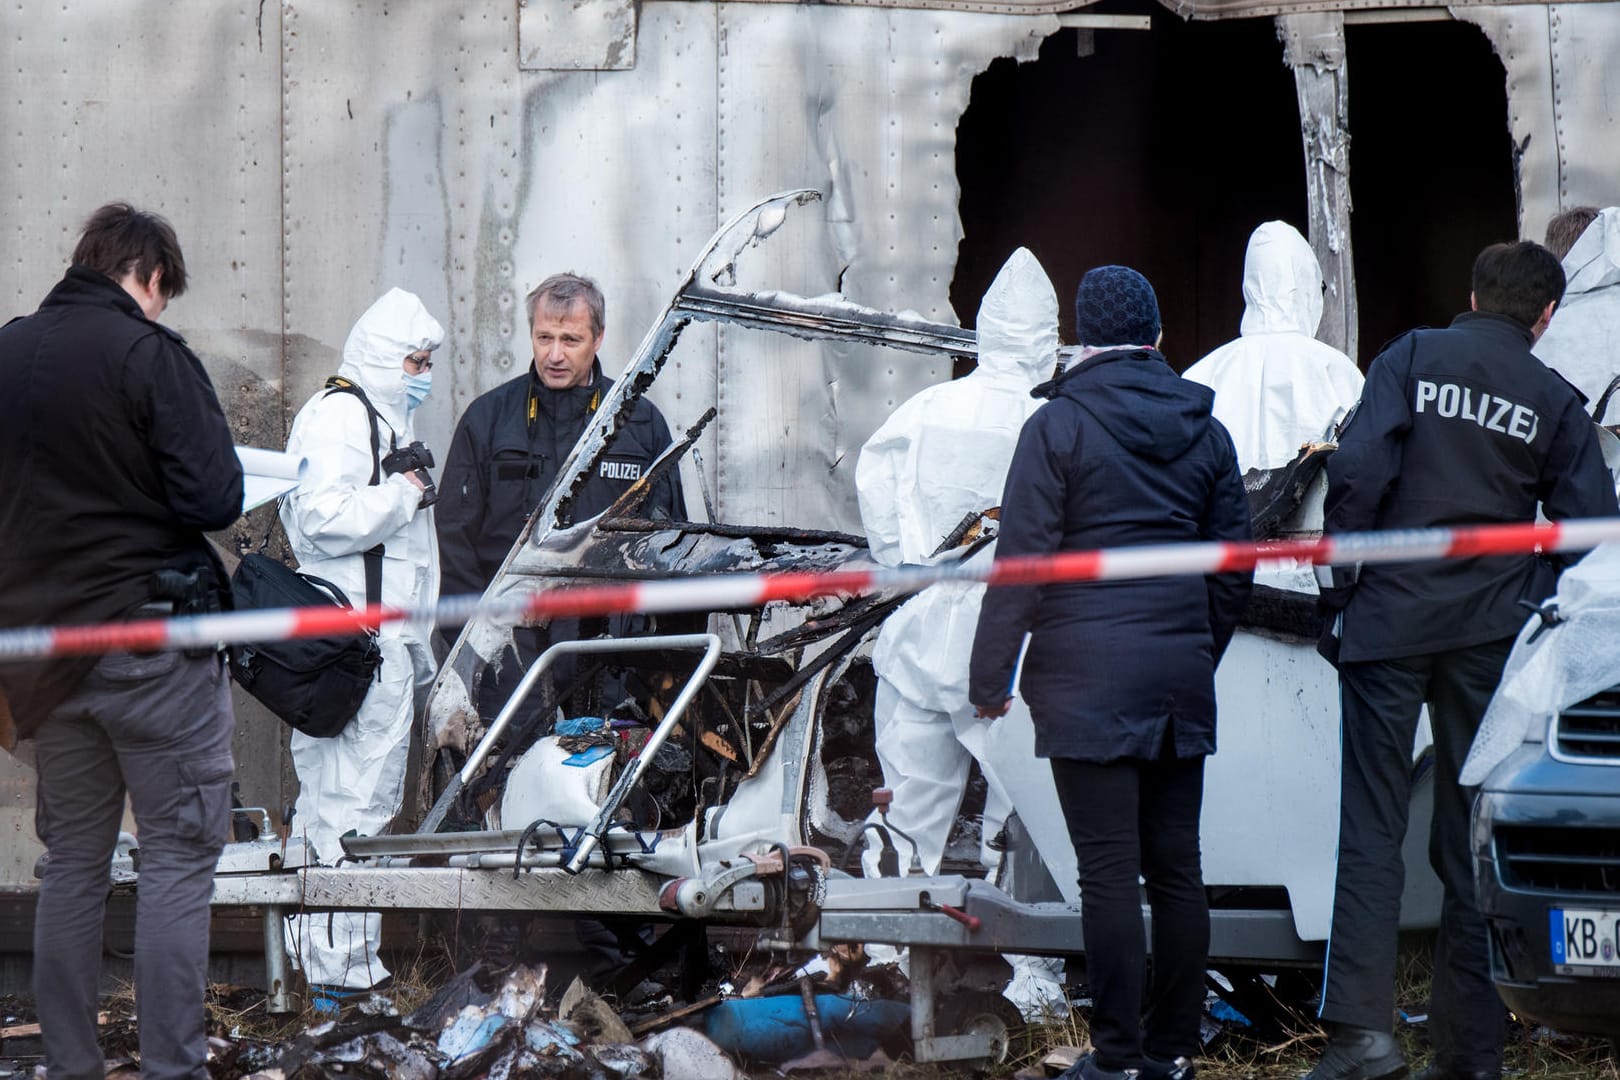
[(1116, 306)]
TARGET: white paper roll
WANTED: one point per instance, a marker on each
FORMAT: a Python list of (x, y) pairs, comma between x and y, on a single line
[(267, 474)]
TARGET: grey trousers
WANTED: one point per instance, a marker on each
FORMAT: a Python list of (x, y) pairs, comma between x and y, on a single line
[(158, 726)]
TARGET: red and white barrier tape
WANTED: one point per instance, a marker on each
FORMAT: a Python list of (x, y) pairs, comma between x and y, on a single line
[(739, 591)]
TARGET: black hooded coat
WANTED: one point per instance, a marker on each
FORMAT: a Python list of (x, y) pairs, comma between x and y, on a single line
[(1125, 454), (115, 457)]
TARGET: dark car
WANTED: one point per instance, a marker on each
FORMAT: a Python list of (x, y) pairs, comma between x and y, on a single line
[(1547, 850)]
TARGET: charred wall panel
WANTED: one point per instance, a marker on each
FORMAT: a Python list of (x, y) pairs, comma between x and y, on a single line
[(1586, 99), (1314, 46), (399, 128), (862, 103), (1563, 102)]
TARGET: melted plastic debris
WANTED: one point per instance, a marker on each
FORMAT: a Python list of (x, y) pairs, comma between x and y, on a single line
[(685, 1054), (472, 1033), (489, 1024)]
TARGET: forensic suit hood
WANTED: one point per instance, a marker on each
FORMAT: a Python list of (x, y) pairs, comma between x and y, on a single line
[(1277, 387), (390, 330), (356, 780), (1583, 340), (1282, 283), (1017, 325)]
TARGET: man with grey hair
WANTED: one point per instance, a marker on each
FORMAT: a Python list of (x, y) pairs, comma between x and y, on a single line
[(504, 457), (511, 441)]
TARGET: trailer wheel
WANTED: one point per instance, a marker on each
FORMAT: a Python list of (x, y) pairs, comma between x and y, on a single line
[(989, 1016)]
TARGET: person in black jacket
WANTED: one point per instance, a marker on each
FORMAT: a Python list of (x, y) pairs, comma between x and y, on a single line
[(1120, 675), (511, 441), (115, 457), (1460, 426), (504, 456), (510, 444)]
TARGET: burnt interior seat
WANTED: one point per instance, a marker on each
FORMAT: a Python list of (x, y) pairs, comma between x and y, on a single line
[(1276, 497)]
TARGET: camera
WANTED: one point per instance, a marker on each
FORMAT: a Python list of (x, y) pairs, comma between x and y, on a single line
[(190, 592), (415, 459)]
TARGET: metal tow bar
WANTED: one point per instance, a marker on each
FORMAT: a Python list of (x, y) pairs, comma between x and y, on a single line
[(710, 643), (631, 776)]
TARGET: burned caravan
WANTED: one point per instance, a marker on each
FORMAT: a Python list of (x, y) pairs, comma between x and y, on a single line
[(707, 794), (312, 155), (765, 746)]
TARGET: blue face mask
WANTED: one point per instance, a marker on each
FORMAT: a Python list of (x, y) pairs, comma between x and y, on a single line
[(417, 387)]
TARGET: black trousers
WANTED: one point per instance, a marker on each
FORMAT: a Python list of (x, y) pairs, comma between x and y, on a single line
[(1131, 821), (1380, 701)]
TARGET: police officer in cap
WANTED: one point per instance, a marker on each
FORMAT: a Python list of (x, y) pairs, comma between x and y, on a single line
[(1460, 426)]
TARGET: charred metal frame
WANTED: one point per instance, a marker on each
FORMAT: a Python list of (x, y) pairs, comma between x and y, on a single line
[(618, 546), (745, 873), (1314, 49), (711, 646)]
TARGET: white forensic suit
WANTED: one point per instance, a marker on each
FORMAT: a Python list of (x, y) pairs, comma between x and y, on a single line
[(1277, 387), (1582, 343), (355, 781), (943, 455)]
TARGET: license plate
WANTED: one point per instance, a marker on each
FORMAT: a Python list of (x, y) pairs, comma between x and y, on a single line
[(1584, 937)]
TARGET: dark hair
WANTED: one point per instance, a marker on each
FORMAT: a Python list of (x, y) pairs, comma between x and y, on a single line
[(560, 291), (1566, 228), (119, 238), (1517, 280)]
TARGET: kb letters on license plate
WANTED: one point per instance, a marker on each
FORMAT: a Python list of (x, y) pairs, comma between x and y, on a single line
[(1588, 938)]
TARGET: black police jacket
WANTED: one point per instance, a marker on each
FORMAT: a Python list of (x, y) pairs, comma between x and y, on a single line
[(506, 452), (1459, 426), (114, 458), (1126, 454)]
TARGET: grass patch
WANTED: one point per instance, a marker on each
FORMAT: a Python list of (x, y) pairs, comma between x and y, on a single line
[(238, 1013), (1532, 1053)]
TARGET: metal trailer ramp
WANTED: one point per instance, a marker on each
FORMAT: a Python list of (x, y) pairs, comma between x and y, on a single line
[(787, 892), (934, 916)]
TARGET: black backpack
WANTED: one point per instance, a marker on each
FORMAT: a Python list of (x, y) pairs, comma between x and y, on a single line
[(314, 684)]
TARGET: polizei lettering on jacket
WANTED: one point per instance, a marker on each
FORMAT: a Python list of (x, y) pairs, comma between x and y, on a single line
[(1453, 402), (620, 470)]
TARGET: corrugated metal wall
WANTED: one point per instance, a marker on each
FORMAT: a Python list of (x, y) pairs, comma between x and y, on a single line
[(313, 155), (175, 107), (1563, 102)]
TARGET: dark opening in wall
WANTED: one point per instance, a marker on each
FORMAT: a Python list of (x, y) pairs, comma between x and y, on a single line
[(1163, 150), (1431, 171)]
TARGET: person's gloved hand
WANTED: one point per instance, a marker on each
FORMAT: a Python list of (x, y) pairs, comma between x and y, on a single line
[(1327, 645), (1334, 586)]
